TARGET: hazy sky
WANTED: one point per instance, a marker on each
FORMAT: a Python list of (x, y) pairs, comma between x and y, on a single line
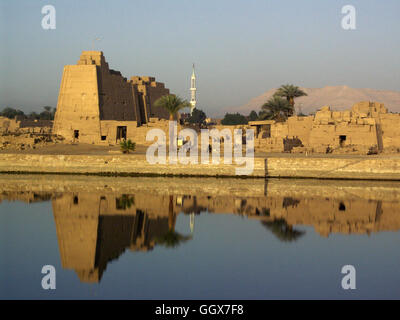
[(241, 48)]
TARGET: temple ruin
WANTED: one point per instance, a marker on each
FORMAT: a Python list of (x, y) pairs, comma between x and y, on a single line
[(98, 105), (366, 128)]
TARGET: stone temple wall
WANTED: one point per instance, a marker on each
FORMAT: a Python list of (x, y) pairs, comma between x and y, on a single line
[(117, 100), (8, 125), (148, 92), (390, 130), (16, 125), (367, 126), (96, 102), (78, 114)]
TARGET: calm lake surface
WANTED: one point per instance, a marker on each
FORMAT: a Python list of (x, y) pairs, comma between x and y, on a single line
[(183, 238)]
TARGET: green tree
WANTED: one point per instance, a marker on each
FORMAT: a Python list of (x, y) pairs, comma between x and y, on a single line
[(33, 116), (47, 114), (127, 146), (11, 113), (234, 119), (172, 104), (253, 116), (275, 108), (198, 116), (290, 92)]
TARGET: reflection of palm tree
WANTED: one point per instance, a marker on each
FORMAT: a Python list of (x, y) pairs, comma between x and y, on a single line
[(282, 230), (172, 238), (125, 201)]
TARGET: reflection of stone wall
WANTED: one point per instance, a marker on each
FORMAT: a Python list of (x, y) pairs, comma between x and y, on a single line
[(93, 229), (96, 223), (77, 227), (26, 196), (327, 215), (89, 240)]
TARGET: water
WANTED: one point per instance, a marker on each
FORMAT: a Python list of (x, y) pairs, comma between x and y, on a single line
[(164, 238)]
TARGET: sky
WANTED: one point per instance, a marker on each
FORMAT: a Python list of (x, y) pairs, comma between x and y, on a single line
[(241, 48)]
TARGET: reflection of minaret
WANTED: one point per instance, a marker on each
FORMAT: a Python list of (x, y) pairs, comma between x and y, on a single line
[(193, 91), (192, 222)]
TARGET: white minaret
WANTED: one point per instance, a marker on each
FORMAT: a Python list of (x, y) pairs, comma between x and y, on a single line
[(193, 91)]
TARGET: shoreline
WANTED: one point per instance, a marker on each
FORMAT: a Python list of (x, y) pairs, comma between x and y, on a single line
[(169, 175), (384, 168), (251, 187)]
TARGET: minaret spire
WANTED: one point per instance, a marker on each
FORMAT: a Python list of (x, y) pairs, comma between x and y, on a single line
[(193, 91)]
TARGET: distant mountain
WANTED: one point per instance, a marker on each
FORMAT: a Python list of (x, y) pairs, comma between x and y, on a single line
[(338, 97)]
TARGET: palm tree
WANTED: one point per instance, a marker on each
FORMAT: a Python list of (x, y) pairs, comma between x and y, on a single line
[(275, 108), (172, 104), (290, 92), (127, 146)]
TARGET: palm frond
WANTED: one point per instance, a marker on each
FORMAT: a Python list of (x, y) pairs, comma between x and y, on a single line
[(276, 108), (171, 103), (290, 91)]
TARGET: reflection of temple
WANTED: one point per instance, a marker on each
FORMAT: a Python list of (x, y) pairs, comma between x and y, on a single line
[(95, 227), (327, 215), (26, 196)]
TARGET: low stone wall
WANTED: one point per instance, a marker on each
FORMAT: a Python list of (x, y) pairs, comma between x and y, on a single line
[(376, 168), (334, 168), (115, 164)]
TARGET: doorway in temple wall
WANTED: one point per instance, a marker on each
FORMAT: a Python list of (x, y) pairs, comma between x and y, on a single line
[(76, 135), (342, 141), (121, 133)]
